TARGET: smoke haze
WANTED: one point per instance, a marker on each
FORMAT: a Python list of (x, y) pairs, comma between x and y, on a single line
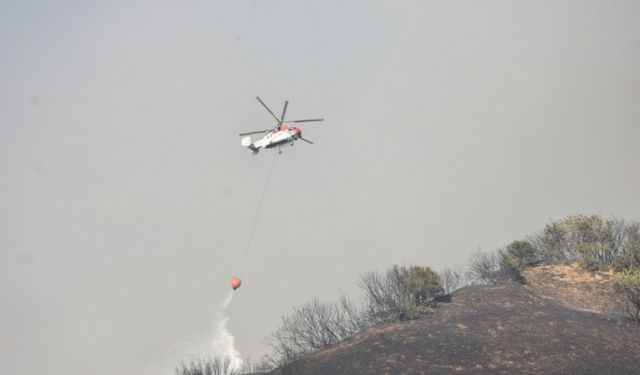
[(126, 198)]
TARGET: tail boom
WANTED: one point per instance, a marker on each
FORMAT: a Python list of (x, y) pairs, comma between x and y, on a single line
[(246, 142)]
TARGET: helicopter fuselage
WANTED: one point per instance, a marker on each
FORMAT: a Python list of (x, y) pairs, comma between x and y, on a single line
[(273, 138)]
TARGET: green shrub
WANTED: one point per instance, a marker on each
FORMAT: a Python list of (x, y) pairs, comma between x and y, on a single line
[(420, 284), (551, 243), (597, 243), (402, 293), (628, 282), (521, 253)]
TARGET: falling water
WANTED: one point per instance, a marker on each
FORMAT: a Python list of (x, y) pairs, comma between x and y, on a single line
[(222, 343)]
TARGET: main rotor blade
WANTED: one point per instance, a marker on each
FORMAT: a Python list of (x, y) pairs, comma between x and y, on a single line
[(314, 119), (255, 132), (284, 110), (306, 140), (267, 108)]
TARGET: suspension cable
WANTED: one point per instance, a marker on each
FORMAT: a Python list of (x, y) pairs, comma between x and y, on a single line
[(255, 219)]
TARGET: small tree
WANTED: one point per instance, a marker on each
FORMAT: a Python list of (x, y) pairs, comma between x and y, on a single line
[(628, 282), (507, 271), (420, 284), (207, 366), (260, 367), (552, 244), (451, 280), (629, 256), (350, 317), (492, 267), (596, 242), (521, 254), (310, 328), (482, 266), (593, 239), (401, 293)]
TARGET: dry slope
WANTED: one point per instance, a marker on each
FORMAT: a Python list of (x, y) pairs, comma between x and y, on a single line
[(504, 329)]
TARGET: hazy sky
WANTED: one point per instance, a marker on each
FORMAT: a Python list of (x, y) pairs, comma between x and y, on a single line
[(126, 199)]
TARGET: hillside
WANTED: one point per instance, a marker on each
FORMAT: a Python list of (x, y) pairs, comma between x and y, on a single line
[(575, 288), (562, 320)]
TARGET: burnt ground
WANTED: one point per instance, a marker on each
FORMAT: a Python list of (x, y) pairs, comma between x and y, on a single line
[(505, 329)]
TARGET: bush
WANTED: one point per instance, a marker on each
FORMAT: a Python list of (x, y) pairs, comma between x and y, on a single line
[(451, 280), (595, 242), (207, 366), (628, 282), (593, 239), (492, 267), (482, 266), (551, 243), (402, 293), (312, 327), (629, 257), (521, 254), (260, 367)]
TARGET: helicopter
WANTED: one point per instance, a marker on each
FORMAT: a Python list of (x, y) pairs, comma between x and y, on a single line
[(278, 136)]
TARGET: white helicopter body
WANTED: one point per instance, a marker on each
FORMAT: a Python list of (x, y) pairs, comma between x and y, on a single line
[(283, 133)]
